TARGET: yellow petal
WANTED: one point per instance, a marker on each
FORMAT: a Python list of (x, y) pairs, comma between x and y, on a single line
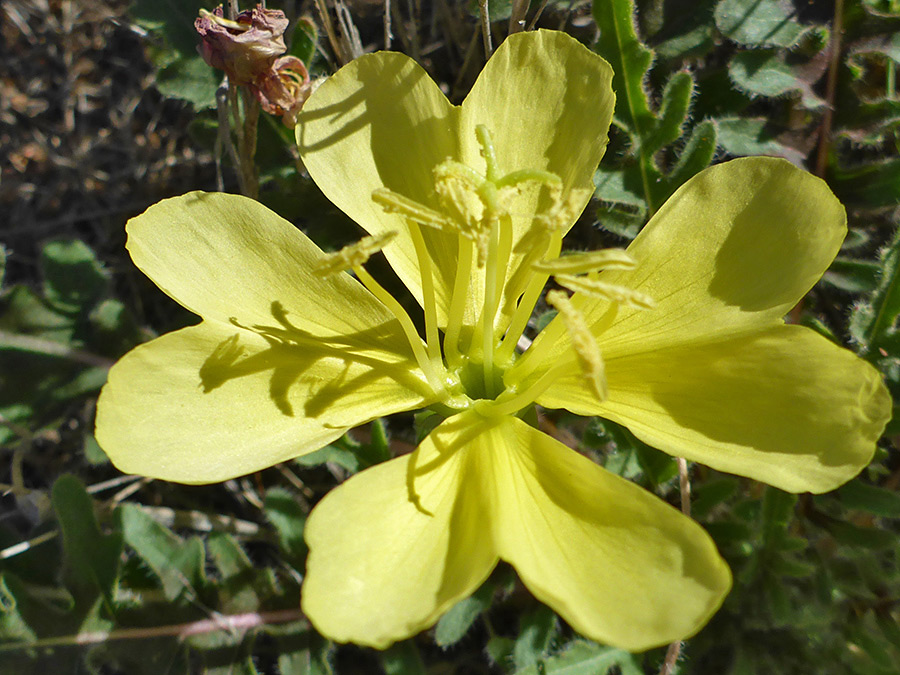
[(784, 406), (229, 258), (548, 102), (397, 545), (733, 249), (214, 401), (618, 564), (730, 252), (381, 121)]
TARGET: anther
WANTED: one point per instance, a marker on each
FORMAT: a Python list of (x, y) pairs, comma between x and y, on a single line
[(590, 261), (589, 358), (601, 289), (353, 255)]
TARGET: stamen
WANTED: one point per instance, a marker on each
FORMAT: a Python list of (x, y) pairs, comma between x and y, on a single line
[(353, 255), (589, 358), (409, 330), (590, 261), (600, 289), (428, 300), (393, 202), (458, 301), (525, 308)]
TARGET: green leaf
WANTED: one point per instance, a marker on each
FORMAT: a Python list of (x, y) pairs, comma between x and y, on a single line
[(288, 517), (872, 321), (853, 276), (73, 277), (676, 102), (766, 73), (91, 558), (581, 657), (244, 587), (174, 19), (13, 623), (346, 459), (710, 493), (695, 156), (759, 23), (301, 651), (749, 136), (304, 40), (178, 564), (870, 498), (455, 623), (865, 537), (872, 185), (402, 658), (190, 79), (620, 186), (537, 630)]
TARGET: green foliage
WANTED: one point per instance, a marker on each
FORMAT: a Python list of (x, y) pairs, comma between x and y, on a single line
[(182, 71)]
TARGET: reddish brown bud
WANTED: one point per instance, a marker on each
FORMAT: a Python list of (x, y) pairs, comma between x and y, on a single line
[(246, 47), (284, 89)]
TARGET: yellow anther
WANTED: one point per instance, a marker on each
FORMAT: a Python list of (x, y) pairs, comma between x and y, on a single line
[(601, 289), (591, 261), (392, 202), (353, 255), (565, 211), (589, 358)]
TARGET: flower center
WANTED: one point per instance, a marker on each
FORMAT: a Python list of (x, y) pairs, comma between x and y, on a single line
[(478, 210)]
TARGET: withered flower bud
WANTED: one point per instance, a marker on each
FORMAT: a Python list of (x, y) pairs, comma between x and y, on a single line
[(246, 47), (284, 89)]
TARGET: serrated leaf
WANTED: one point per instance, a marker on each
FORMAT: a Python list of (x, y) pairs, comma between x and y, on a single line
[(289, 518), (456, 622), (872, 321), (178, 564), (243, 587), (91, 557), (673, 112), (759, 23), (870, 498), (586, 658), (620, 186), (749, 136), (766, 73), (695, 156), (537, 630), (688, 31)]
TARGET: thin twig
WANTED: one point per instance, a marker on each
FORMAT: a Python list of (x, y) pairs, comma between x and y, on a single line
[(387, 24), (684, 484), (485, 27), (537, 15), (837, 30), (222, 622), (517, 16), (31, 343)]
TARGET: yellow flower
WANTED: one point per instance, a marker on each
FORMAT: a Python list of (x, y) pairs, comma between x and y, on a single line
[(680, 338)]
